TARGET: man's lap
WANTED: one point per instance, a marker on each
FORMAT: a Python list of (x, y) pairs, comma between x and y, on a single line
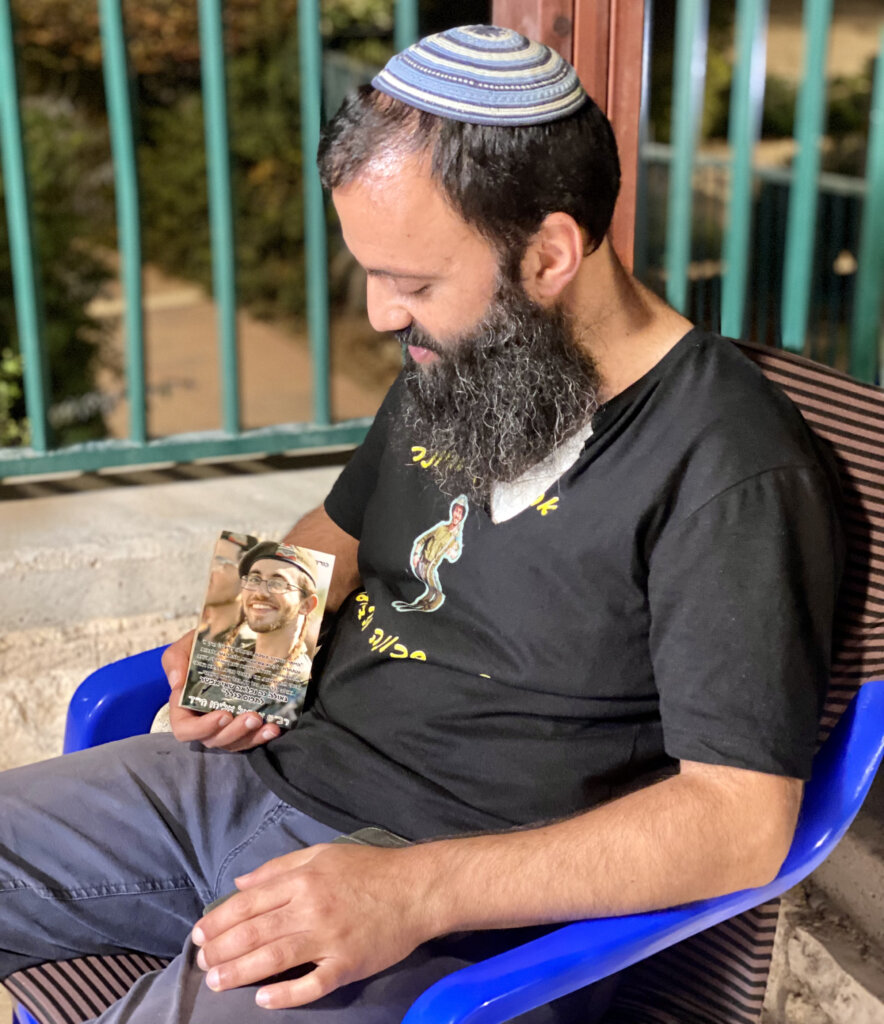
[(122, 846)]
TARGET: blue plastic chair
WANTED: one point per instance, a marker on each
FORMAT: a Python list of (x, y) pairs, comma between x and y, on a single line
[(121, 700)]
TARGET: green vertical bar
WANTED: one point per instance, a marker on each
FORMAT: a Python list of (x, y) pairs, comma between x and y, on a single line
[(865, 355), (220, 205), (689, 76), (747, 98), (310, 46), (116, 85), (801, 225), (405, 28), (28, 312), (640, 252)]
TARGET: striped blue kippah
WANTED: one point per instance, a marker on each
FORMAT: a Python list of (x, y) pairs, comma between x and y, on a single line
[(484, 75)]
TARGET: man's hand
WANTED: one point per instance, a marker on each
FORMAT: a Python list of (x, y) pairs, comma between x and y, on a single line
[(350, 910), (217, 728)]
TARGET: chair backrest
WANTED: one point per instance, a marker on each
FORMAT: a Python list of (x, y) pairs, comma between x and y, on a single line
[(849, 416), (719, 976)]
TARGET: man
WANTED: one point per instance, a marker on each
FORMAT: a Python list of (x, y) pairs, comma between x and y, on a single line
[(222, 613), (280, 585), (619, 694)]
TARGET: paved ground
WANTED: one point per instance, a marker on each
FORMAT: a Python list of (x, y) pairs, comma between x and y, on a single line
[(853, 41), (181, 356)]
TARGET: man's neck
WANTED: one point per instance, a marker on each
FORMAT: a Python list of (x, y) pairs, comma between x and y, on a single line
[(625, 327)]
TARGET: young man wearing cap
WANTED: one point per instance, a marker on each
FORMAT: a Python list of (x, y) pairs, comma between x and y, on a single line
[(619, 693), (279, 596)]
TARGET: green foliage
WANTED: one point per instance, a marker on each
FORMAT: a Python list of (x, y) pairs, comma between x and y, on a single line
[(341, 18), (778, 116), (262, 84), (65, 198), (13, 430)]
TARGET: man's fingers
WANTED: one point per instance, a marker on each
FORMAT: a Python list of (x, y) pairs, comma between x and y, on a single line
[(317, 983), (176, 658), (220, 729), (236, 948), (240, 731), (265, 962), (234, 912), (188, 725)]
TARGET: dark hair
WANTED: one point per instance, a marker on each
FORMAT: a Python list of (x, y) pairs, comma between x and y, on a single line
[(504, 180)]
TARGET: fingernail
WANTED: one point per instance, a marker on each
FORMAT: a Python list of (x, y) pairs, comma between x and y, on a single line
[(253, 721), (198, 935), (268, 734), (213, 979), (262, 997), (225, 719)]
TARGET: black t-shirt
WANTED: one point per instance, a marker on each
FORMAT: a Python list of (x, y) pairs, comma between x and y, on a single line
[(669, 597)]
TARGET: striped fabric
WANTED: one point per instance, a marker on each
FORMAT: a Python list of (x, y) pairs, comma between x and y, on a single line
[(484, 75), (719, 976), (73, 991)]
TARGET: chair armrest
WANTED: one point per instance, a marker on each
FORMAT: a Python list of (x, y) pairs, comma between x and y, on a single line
[(500, 988), (116, 701)]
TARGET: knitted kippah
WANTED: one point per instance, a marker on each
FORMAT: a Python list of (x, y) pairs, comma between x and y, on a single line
[(484, 75)]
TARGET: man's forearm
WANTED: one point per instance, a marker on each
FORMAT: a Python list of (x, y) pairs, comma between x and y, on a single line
[(355, 910), (683, 839), (317, 530)]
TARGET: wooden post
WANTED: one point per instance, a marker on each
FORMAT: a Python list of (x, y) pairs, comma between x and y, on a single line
[(548, 21), (603, 39)]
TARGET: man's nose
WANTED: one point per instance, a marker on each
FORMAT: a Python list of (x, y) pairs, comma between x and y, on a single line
[(386, 311)]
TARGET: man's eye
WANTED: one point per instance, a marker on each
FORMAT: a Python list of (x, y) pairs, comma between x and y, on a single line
[(418, 291)]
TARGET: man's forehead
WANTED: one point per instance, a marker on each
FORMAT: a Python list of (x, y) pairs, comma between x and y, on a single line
[(402, 226), (268, 567)]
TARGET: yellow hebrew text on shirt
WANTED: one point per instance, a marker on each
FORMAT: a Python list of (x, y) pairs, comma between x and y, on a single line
[(380, 641), (545, 505), (384, 644), (427, 459)]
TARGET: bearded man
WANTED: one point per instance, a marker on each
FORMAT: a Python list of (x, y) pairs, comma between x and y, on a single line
[(618, 697)]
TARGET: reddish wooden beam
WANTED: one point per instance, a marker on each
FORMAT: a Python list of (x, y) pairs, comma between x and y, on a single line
[(592, 43), (623, 107), (548, 21), (603, 39)]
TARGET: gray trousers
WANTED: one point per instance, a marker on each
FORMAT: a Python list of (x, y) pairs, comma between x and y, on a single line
[(121, 847)]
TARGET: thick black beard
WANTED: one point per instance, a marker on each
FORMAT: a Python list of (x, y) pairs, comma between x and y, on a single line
[(501, 397)]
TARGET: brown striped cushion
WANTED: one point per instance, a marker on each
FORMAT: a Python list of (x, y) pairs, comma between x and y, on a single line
[(73, 991), (719, 976)]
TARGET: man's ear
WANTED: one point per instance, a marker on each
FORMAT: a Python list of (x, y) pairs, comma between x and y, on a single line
[(553, 257)]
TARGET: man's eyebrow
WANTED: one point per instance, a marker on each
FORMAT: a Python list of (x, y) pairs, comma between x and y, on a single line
[(390, 272)]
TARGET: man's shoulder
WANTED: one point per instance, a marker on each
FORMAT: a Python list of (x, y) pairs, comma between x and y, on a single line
[(719, 401)]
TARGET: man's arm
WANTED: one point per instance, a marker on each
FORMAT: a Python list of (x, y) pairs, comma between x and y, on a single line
[(354, 911), (317, 530), (219, 728)]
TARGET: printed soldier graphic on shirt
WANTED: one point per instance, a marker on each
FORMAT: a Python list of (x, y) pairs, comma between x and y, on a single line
[(444, 541)]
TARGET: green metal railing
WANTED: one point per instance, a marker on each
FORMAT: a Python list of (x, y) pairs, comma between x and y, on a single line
[(805, 189), (765, 274), (229, 439)]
